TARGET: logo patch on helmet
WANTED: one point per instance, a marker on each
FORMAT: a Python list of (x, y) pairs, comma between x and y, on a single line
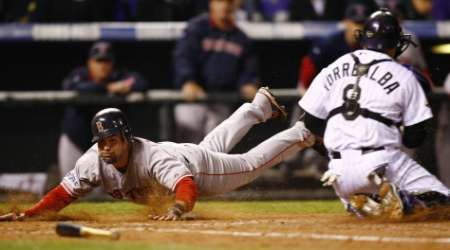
[(99, 126)]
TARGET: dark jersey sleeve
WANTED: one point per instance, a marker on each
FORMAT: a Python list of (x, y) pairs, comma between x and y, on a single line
[(249, 66), (414, 135), (186, 55), (315, 125), (139, 83), (78, 80)]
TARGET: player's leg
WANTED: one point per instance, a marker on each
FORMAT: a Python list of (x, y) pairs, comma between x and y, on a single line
[(225, 172), (356, 177), (410, 176), (417, 188), (392, 190), (216, 113), (68, 154), (189, 122), (225, 136)]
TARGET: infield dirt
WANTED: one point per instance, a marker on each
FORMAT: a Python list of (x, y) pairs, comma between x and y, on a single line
[(230, 229)]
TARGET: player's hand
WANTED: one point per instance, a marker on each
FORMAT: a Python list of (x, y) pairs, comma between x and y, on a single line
[(192, 91), (248, 91), (175, 212), (120, 87), (165, 217), (301, 90), (328, 178), (12, 217)]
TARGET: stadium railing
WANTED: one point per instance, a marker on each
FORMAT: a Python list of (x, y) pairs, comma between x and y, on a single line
[(166, 98), (166, 31)]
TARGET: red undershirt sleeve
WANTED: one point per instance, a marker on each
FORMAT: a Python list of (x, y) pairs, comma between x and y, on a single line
[(186, 191), (308, 71), (55, 200)]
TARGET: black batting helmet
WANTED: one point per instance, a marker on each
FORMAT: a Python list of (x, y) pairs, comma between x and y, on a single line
[(382, 31), (108, 122)]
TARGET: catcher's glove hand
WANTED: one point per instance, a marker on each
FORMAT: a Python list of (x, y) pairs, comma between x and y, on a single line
[(328, 178), (12, 217)]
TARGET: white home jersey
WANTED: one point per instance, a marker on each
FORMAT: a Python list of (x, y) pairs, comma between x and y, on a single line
[(389, 90), (368, 115)]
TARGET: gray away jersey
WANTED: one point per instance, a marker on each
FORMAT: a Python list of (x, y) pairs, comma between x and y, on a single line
[(214, 170), (388, 89), (150, 164)]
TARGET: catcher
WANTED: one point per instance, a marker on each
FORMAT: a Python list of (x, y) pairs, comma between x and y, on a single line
[(358, 104), (128, 167)]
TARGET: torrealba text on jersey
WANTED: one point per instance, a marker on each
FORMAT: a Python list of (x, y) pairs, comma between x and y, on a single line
[(381, 78)]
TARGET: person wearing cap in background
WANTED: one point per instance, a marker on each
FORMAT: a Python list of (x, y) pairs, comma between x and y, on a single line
[(329, 48), (316, 10), (212, 56), (412, 57), (99, 76)]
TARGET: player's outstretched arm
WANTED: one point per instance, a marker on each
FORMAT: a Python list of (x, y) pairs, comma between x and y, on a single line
[(185, 198), (12, 217), (53, 201)]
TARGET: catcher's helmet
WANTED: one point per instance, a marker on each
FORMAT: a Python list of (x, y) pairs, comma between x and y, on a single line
[(108, 122), (382, 31)]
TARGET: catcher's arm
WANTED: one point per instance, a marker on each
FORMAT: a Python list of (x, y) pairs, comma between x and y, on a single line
[(414, 135)]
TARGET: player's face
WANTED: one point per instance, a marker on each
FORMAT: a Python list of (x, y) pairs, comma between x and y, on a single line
[(424, 7), (113, 149), (222, 11), (350, 28), (100, 70)]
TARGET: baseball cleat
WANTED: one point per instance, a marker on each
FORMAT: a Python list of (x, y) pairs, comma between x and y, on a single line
[(278, 110)]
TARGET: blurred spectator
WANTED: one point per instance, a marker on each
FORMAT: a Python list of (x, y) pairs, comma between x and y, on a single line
[(275, 10), (413, 55), (329, 48), (317, 10), (443, 137), (168, 10), (125, 10), (74, 10), (213, 55), (21, 11), (418, 9), (99, 76), (99, 10), (267, 10), (441, 10)]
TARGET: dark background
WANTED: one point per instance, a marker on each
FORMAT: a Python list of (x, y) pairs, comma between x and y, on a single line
[(30, 133)]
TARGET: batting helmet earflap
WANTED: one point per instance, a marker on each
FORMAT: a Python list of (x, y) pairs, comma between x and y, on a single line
[(382, 31), (108, 122)]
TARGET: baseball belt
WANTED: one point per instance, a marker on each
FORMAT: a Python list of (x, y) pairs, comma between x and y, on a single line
[(364, 150)]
